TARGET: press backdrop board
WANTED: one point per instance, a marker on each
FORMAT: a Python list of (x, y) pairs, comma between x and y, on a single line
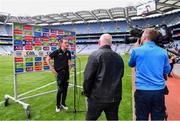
[(31, 46), (33, 43)]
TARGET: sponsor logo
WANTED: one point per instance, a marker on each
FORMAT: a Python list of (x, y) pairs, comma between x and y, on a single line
[(45, 63), (38, 63), (37, 38), (29, 63), (53, 48), (45, 39), (28, 42), (30, 54), (41, 53), (29, 69), (18, 70), (17, 31), (61, 32), (18, 53), (29, 59), (45, 29), (38, 59), (37, 34), (28, 38), (46, 48), (17, 59), (18, 42), (37, 43), (54, 44), (28, 47), (54, 31), (45, 34), (46, 67), (27, 27), (18, 48), (19, 65), (37, 48), (38, 68), (53, 35)]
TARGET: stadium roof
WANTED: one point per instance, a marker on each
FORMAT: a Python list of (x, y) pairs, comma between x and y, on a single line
[(163, 6)]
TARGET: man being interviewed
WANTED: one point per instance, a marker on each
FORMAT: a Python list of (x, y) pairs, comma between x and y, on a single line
[(151, 63), (62, 64), (103, 81)]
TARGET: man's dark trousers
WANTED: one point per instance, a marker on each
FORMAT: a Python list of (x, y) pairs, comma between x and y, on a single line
[(62, 83), (149, 102), (96, 108)]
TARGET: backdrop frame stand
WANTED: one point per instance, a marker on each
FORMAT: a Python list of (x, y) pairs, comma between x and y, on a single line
[(17, 98)]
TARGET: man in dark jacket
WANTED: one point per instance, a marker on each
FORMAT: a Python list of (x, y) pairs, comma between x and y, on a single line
[(103, 81)]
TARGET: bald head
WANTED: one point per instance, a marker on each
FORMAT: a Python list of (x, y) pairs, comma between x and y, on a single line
[(105, 39)]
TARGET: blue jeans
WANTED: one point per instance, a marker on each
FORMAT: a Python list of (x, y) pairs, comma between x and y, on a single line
[(96, 108), (149, 102)]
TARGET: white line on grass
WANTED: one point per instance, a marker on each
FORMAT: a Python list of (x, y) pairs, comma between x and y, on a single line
[(1, 102), (43, 86), (48, 92), (129, 75), (72, 85), (35, 89)]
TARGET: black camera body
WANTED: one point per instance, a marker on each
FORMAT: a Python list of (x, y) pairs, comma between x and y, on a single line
[(135, 34), (164, 37)]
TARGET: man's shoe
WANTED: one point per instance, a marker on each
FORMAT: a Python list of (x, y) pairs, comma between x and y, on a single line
[(64, 107), (58, 109)]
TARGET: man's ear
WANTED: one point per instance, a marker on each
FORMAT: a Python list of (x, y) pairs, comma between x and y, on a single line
[(59, 44), (99, 43), (142, 40)]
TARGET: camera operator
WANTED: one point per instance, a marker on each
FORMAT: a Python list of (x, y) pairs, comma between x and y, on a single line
[(151, 63)]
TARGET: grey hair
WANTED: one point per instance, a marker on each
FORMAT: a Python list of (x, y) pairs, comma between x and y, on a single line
[(106, 39)]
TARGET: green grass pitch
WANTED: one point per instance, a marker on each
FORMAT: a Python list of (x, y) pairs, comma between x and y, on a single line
[(43, 107)]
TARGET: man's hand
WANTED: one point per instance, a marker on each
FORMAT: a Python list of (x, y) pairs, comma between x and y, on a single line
[(70, 64), (137, 44), (53, 71), (70, 67), (48, 58)]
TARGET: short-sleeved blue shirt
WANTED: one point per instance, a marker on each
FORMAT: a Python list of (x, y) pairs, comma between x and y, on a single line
[(151, 62)]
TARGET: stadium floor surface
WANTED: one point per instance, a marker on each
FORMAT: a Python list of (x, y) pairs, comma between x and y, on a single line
[(43, 107), (172, 99)]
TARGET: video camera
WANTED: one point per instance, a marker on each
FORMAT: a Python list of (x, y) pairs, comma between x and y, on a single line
[(163, 39), (164, 36)]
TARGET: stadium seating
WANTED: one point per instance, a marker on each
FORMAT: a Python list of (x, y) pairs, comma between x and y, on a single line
[(5, 30), (101, 27), (6, 50), (120, 26), (113, 26), (85, 49)]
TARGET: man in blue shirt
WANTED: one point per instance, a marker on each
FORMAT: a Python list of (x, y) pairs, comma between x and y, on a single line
[(151, 63)]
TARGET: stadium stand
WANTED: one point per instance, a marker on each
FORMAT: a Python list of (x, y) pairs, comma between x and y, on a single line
[(120, 26), (89, 33), (5, 30), (6, 50), (88, 49)]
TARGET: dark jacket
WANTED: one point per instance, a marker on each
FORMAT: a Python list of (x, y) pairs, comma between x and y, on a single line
[(103, 75)]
